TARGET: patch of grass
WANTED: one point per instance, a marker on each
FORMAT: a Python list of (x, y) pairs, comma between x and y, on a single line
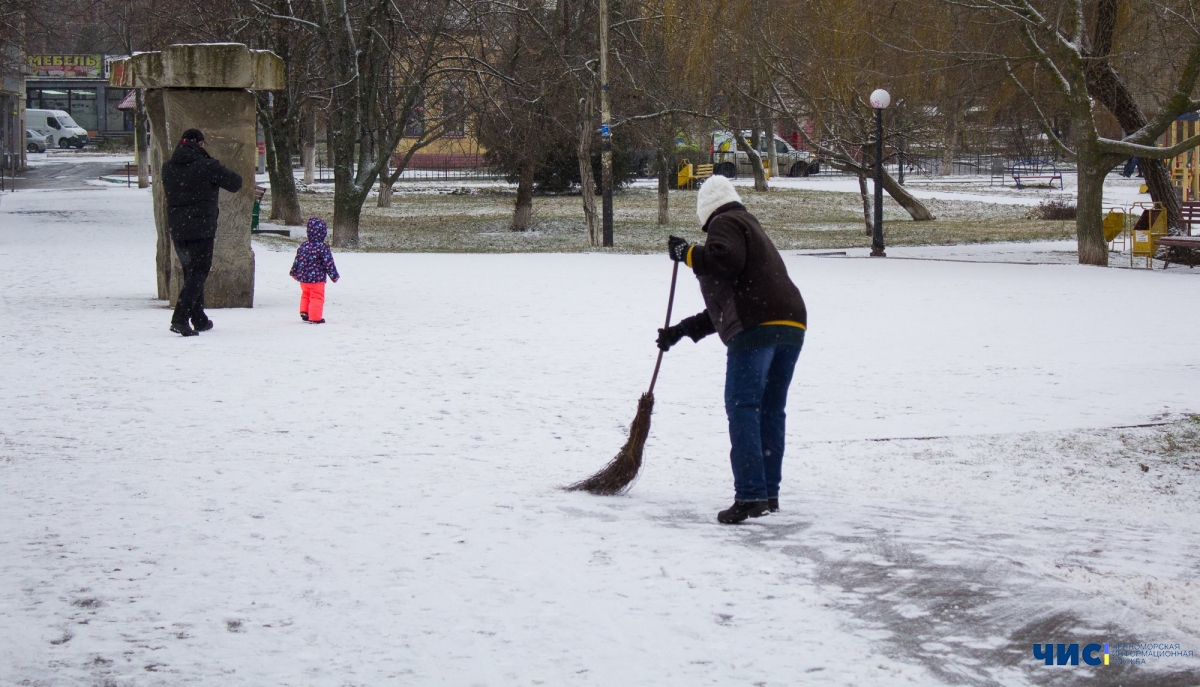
[(453, 220), (1179, 440)]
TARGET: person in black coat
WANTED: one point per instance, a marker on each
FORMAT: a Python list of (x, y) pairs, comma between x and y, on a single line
[(192, 180), (757, 310)]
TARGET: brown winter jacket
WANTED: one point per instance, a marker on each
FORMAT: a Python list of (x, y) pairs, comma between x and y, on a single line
[(742, 278)]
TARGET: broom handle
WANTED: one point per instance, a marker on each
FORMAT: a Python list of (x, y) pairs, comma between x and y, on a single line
[(670, 304)]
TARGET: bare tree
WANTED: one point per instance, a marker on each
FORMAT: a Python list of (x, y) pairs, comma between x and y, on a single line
[(819, 83), (363, 40), (1050, 67)]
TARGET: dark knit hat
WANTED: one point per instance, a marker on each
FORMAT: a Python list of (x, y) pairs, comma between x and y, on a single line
[(192, 135)]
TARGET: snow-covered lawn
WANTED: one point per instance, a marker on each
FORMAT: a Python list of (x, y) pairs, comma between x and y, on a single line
[(375, 501)]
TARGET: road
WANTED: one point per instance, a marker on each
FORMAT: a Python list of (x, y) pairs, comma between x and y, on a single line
[(63, 171)]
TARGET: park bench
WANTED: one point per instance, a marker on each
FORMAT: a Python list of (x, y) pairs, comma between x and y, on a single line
[(1191, 215), (259, 193), (1029, 170), (1184, 250)]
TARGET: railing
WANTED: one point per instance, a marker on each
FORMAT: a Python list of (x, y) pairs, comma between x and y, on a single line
[(323, 174)]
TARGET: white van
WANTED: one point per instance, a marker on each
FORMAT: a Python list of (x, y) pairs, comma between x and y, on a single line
[(59, 125), (729, 161)]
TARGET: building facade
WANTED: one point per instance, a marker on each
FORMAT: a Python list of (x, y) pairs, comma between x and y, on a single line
[(78, 84), (12, 110)]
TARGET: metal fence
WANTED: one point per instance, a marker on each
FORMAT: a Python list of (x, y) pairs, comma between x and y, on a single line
[(324, 174), (996, 168)]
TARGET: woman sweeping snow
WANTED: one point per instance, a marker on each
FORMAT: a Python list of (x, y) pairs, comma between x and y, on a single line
[(752, 304)]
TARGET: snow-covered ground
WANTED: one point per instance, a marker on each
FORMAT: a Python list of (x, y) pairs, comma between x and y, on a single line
[(375, 501)]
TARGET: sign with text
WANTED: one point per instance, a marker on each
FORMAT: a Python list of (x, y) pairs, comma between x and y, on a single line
[(66, 66)]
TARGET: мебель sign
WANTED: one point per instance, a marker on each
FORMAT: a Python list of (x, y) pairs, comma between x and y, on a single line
[(66, 66)]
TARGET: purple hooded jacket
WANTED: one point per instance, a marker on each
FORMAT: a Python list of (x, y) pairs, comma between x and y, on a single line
[(314, 260)]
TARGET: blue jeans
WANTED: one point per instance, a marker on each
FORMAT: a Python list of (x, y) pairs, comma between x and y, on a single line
[(756, 387)]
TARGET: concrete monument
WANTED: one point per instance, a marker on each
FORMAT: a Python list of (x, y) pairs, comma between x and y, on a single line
[(206, 87)]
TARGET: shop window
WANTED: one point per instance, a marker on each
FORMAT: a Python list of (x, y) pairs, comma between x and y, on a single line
[(55, 99), (83, 108)]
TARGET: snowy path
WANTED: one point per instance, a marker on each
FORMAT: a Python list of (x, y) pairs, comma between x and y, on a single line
[(373, 501)]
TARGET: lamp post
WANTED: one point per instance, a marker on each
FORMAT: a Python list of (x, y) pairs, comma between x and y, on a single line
[(606, 163), (880, 99)]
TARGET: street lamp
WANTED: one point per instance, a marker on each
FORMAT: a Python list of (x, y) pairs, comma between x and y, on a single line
[(880, 99)]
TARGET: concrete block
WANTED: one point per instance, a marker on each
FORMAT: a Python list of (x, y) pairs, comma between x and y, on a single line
[(227, 120), (206, 65)]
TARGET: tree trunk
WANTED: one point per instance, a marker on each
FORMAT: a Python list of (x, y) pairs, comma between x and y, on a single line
[(384, 199), (1162, 191), (772, 154), (308, 150), (1107, 86), (347, 211), (385, 193), (279, 133), (330, 149), (269, 144), (140, 144), (664, 188), (950, 143), (348, 197), (760, 174), (587, 181), (916, 209), (1089, 208), (1112, 92), (523, 212), (760, 179), (866, 201)]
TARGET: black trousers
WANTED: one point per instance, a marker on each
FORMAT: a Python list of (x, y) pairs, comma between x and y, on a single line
[(196, 257)]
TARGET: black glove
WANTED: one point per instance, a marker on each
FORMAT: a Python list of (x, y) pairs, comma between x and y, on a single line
[(678, 249), (670, 336)]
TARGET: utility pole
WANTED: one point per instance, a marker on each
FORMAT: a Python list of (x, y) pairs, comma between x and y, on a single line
[(606, 180)]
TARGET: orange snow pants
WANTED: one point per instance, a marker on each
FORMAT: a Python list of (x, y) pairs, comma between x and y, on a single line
[(312, 300)]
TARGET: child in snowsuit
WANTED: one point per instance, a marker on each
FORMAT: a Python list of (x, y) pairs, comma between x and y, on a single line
[(313, 262)]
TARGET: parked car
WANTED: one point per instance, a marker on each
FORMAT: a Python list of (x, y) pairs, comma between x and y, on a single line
[(729, 161), (58, 124), (37, 143)]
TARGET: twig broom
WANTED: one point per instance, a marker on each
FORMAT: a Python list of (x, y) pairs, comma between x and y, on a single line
[(618, 475)]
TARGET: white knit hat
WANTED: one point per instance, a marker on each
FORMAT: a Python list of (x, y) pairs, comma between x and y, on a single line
[(714, 192)]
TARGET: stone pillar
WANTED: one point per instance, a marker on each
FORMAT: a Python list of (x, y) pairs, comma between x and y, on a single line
[(206, 87)]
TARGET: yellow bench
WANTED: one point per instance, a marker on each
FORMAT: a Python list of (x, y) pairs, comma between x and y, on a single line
[(689, 174)]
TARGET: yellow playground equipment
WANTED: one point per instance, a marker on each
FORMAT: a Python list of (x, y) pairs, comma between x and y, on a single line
[(688, 174), (1185, 167), (1136, 229), (1116, 225), (1146, 231)]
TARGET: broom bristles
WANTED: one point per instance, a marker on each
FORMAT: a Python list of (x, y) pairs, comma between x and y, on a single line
[(618, 475)]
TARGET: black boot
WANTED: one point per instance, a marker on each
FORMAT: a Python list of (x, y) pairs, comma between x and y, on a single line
[(183, 329), (304, 316), (320, 321), (740, 510), (202, 325), (773, 504)]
